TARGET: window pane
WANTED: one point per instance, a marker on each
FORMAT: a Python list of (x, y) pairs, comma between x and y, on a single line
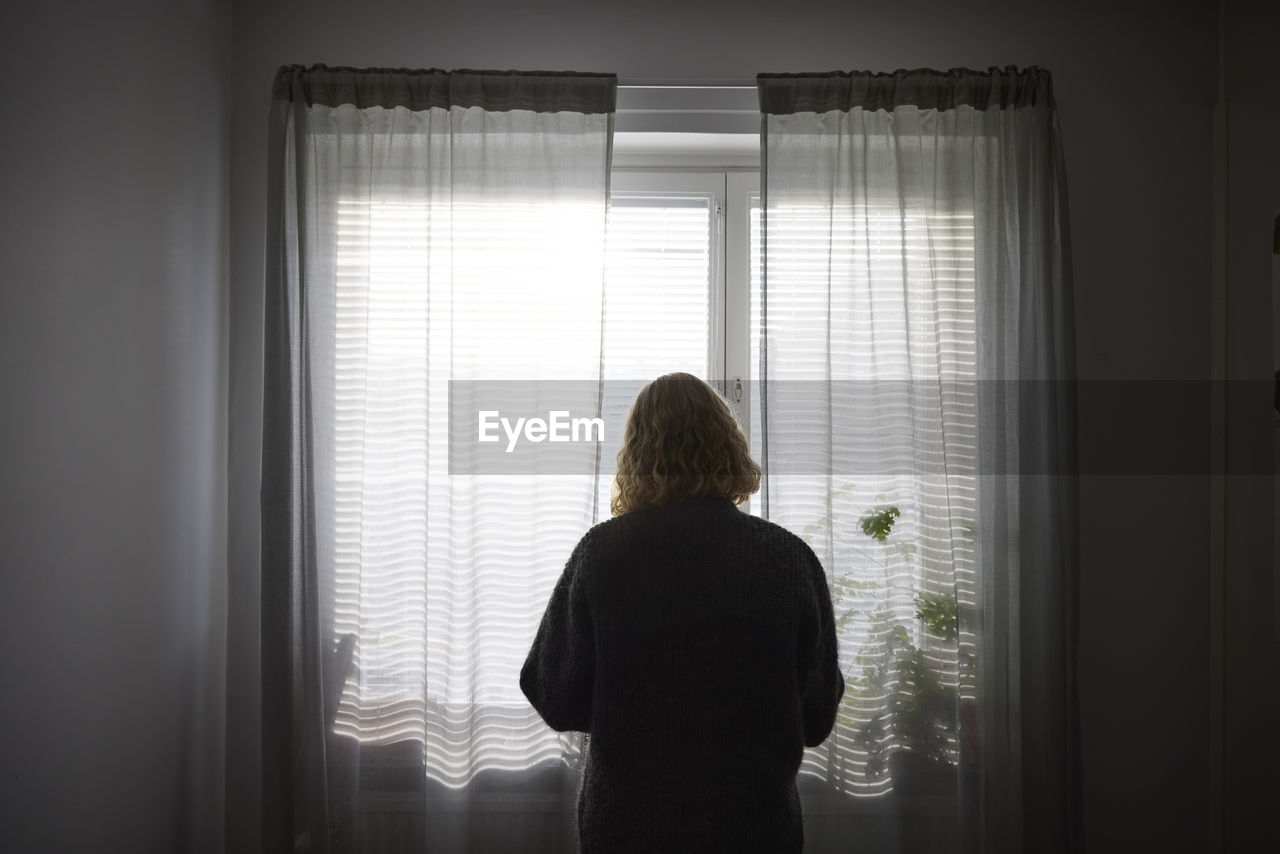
[(657, 287), (872, 355), (419, 286), (657, 302), (394, 584)]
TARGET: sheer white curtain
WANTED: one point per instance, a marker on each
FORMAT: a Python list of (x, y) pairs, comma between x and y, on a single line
[(430, 231), (916, 352)]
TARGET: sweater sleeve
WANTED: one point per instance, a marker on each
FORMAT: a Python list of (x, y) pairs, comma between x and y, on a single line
[(559, 672), (821, 682)]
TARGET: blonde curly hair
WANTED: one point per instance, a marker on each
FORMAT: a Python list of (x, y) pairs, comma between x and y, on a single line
[(681, 440)]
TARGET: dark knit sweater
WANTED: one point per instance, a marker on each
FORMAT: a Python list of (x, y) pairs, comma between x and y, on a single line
[(696, 645)]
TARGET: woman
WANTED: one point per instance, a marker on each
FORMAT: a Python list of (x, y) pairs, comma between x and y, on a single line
[(694, 642)]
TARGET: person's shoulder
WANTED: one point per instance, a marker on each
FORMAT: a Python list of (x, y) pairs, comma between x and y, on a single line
[(779, 536), (602, 536), (610, 528)]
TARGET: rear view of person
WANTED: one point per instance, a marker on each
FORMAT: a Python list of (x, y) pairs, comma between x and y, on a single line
[(695, 644)]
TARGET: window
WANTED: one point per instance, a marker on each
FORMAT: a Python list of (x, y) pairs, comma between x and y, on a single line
[(676, 287), (683, 292), (665, 310), (906, 676), (390, 442)]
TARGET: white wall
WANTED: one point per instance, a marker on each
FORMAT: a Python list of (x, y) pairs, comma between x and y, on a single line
[(1135, 84), (113, 305)]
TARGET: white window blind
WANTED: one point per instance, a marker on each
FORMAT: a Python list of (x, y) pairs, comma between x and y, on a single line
[(392, 584), (664, 293), (490, 291), (657, 301), (658, 286), (856, 299)]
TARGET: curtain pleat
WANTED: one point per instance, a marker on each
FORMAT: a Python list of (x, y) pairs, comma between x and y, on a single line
[(433, 88), (918, 408), (427, 231)]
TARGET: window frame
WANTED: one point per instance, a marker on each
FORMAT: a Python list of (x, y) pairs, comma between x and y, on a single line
[(641, 183), (731, 190)]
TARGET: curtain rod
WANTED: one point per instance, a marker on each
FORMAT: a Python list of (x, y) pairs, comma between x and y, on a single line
[(670, 83)]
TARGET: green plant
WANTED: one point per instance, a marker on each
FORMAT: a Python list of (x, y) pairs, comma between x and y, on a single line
[(919, 709), (896, 676), (877, 522), (938, 613)]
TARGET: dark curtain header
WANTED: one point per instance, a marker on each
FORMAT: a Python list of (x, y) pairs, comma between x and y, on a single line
[(924, 88), (424, 89)]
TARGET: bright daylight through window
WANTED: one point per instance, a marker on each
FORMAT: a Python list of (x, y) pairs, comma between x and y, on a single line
[(682, 268)]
